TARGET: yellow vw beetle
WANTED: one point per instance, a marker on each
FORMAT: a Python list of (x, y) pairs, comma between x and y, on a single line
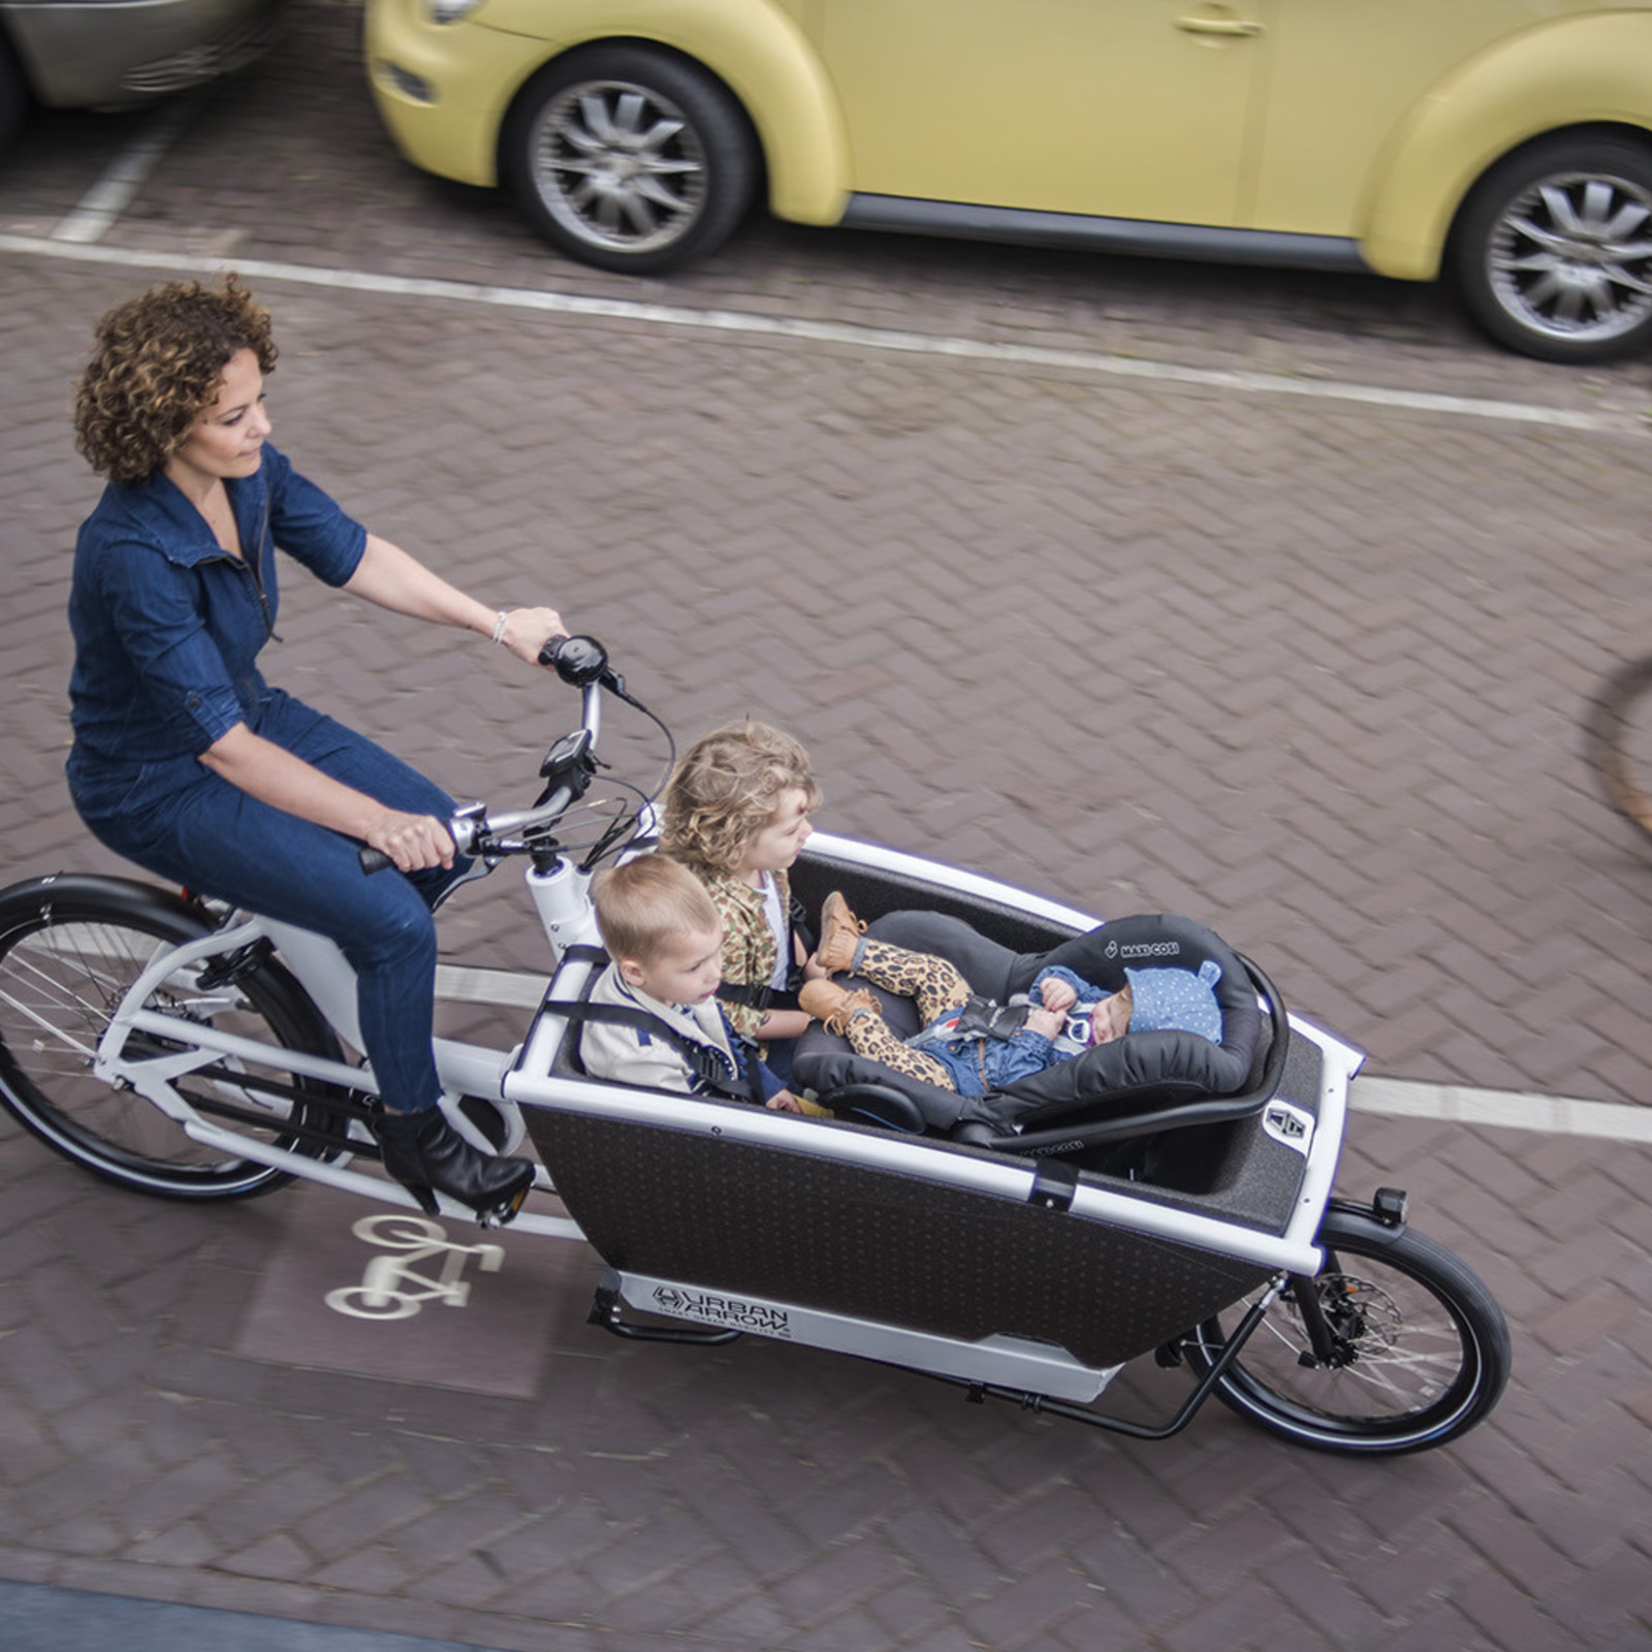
[(1505, 142)]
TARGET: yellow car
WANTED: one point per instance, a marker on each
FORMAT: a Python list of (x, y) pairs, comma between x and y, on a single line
[(1506, 142)]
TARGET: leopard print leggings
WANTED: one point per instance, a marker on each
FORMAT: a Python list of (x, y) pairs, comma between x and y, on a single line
[(932, 983)]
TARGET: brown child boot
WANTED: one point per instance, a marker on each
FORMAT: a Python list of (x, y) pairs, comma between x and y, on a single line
[(832, 1005), (840, 933)]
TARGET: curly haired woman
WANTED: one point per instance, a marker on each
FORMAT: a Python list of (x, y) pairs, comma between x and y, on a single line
[(187, 762)]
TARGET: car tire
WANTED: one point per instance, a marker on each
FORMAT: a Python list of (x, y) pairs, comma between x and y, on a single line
[(629, 158), (1552, 252)]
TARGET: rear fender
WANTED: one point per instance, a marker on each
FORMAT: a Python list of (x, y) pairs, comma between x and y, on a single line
[(125, 895)]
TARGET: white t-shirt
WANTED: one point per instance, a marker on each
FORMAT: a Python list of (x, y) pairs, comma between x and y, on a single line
[(777, 916)]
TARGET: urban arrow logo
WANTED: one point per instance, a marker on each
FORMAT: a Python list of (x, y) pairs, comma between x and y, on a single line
[(731, 1311)]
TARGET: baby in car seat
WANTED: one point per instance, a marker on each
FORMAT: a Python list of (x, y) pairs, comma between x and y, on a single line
[(973, 1046)]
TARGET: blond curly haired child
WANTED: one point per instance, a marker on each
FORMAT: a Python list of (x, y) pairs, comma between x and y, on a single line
[(737, 812)]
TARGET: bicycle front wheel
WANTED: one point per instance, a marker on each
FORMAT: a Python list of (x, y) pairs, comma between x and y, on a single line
[(1421, 1348), (70, 948), (1617, 730)]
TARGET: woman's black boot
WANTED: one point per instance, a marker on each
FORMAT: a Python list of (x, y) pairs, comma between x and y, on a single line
[(428, 1156)]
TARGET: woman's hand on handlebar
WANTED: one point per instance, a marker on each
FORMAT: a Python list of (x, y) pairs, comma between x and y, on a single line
[(527, 630), (412, 842)]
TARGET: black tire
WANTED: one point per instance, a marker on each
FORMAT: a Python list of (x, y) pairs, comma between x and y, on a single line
[(629, 158), (1617, 731), (1552, 252), (1424, 1348), (69, 948)]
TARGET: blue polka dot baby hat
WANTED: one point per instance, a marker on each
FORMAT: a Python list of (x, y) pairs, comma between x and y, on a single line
[(1176, 1000)]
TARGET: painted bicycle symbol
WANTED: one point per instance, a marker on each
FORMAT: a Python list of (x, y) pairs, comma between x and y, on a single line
[(391, 1287)]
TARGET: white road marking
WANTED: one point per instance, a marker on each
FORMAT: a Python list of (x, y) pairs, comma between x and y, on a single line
[(113, 193), (1550, 1115), (506, 988), (846, 334), (1396, 1098)]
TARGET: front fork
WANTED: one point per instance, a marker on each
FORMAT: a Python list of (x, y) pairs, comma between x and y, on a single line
[(1330, 1342)]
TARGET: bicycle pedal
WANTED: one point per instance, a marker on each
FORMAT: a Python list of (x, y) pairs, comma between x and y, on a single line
[(496, 1216)]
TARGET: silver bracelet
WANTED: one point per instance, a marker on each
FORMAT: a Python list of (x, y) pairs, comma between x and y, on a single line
[(499, 625)]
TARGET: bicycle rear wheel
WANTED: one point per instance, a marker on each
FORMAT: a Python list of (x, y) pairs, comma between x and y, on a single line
[(1618, 736), (70, 947)]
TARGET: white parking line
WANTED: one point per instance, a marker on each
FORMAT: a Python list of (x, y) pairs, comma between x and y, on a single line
[(844, 333), (113, 193), (1550, 1115), (1396, 1098)]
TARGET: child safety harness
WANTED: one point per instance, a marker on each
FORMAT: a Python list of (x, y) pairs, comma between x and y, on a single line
[(701, 1059)]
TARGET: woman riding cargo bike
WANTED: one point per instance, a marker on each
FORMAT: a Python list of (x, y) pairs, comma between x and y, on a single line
[(186, 761)]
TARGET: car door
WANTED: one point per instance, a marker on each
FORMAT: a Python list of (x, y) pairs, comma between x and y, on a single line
[(1343, 76), (1124, 108)]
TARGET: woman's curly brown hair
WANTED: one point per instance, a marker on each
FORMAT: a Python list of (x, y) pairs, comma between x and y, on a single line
[(727, 788), (157, 367)]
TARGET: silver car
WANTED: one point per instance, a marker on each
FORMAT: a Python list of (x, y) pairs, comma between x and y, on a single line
[(96, 54)]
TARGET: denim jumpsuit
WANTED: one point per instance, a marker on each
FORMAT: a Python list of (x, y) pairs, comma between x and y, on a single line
[(167, 629)]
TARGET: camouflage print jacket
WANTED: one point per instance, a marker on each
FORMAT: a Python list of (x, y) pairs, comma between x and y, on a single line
[(748, 945)]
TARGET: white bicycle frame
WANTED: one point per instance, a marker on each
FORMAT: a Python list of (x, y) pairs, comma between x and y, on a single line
[(561, 898), (321, 969)]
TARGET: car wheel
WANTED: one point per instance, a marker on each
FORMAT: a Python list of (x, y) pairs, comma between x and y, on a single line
[(630, 159), (1552, 253)]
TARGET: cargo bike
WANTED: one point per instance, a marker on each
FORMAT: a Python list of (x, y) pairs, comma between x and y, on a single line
[(1169, 1206)]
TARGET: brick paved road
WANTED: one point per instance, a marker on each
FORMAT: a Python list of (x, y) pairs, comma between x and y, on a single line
[(1314, 673)]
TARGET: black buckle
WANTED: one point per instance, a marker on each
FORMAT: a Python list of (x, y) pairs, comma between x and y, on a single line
[(986, 1017)]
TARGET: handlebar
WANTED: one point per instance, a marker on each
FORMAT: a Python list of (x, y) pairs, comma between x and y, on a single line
[(582, 663), (579, 662)]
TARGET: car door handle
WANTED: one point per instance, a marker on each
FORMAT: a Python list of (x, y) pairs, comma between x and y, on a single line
[(1218, 25)]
